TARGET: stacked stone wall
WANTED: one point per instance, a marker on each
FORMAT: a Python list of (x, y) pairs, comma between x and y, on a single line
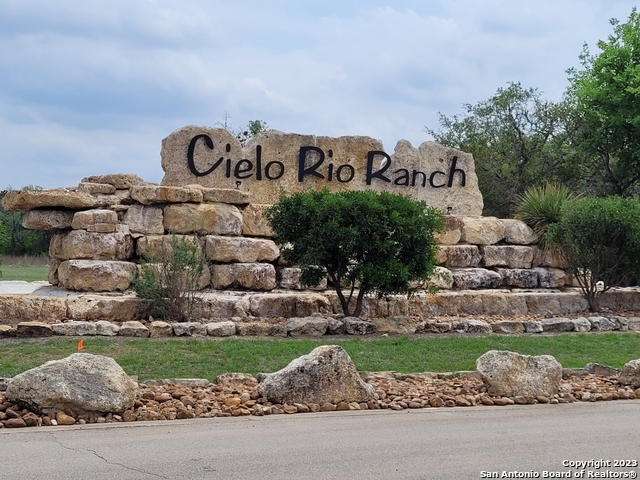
[(104, 225)]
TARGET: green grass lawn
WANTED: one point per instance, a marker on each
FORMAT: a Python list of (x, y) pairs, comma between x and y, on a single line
[(207, 358), (29, 273)]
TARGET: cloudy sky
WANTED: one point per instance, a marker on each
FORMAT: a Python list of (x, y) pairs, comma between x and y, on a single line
[(92, 86)]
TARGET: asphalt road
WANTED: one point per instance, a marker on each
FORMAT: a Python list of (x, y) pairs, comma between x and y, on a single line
[(443, 443)]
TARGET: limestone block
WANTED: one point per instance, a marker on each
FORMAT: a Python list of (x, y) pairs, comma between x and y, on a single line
[(221, 329), (289, 278), (189, 329), (619, 323), (601, 324), (509, 373), (557, 325), (533, 327), (630, 374), (47, 219), (7, 331), (147, 220), (96, 188), (106, 329), (547, 259), (52, 276), (240, 249), (27, 307), (149, 194), (260, 329), (307, 326), (461, 256), (371, 306), (508, 327), (95, 275), (481, 230), (254, 221), (442, 279), (121, 181), (326, 375), (87, 218), (252, 276), (80, 244), (232, 196), (452, 231), (161, 246), (290, 305), (396, 325), (634, 324), (221, 305), (581, 324), (511, 256), (335, 326), (434, 327), (33, 329), (471, 326), (23, 200), (133, 328), (119, 308), (517, 232), (550, 277), (518, 277), (82, 382), (74, 328), (208, 218), (555, 303), (158, 328), (356, 326), (496, 302), (471, 278)]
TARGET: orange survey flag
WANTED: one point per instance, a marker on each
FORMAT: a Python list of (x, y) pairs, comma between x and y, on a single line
[(81, 345)]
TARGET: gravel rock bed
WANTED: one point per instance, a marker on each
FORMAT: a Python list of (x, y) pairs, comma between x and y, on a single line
[(235, 395)]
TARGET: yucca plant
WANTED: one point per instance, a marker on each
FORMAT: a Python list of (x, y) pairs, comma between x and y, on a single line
[(542, 206)]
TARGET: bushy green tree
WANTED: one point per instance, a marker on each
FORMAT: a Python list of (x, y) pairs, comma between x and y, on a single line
[(518, 140), (607, 95), (19, 240), (600, 238), (380, 241)]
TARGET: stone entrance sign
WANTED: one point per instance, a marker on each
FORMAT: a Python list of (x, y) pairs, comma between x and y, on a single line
[(275, 162)]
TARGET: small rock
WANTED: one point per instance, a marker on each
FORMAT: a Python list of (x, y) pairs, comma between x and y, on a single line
[(327, 407), (14, 423), (64, 419)]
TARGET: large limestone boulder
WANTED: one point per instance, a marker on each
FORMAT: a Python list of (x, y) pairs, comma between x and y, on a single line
[(509, 373), (326, 375), (517, 232), (459, 256), (155, 246), (307, 326), (240, 249), (122, 181), (96, 188), (144, 219), (512, 256), (149, 194), (86, 219), (452, 231), (207, 218), (270, 163), (23, 200), (254, 221), (518, 277), (95, 275), (289, 279), (232, 196), (47, 219), (289, 305), (630, 374), (252, 276), (83, 382), (471, 278), (482, 230), (550, 277), (80, 244)]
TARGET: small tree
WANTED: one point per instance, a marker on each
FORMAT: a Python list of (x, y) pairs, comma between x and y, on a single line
[(600, 238), (169, 277), (379, 240)]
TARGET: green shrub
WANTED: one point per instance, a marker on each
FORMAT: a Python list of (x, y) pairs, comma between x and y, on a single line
[(169, 277), (540, 207), (378, 241), (600, 238)]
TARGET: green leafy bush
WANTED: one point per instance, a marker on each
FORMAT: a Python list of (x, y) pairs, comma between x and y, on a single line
[(600, 238), (540, 207), (169, 275), (378, 241)]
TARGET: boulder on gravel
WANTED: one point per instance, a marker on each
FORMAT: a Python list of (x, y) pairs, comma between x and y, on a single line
[(326, 375), (630, 374), (82, 382), (509, 373)]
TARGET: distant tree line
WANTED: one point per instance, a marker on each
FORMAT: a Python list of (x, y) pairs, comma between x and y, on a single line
[(17, 240)]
